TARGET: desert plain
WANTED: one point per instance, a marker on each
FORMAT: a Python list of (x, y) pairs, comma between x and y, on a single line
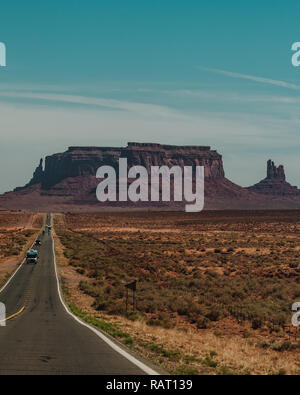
[(214, 289)]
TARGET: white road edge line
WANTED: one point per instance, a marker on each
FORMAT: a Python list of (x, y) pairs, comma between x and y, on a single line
[(16, 271), (113, 345)]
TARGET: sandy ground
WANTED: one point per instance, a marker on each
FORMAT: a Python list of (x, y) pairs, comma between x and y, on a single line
[(227, 348), (29, 221)]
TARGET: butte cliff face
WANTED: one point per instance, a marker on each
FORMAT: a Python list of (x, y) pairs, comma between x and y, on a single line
[(67, 181), (84, 161), (275, 183)]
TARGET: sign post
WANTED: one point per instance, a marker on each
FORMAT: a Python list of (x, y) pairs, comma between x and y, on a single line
[(131, 286)]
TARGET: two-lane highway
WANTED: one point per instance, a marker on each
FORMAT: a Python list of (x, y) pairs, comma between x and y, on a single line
[(44, 338)]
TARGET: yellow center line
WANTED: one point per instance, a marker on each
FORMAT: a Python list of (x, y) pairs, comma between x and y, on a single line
[(13, 315)]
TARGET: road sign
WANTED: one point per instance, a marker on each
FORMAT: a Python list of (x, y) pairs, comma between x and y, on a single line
[(131, 286)]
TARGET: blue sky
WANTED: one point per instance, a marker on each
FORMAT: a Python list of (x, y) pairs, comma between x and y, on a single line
[(184, 72)]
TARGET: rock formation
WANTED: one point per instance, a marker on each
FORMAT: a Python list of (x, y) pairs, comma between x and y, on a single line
[(68, 180), (37, 177), (275, 183), (84, 161), (274, 172)]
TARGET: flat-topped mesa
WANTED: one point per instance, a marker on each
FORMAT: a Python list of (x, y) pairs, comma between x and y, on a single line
[(84, 161), (135, 145), (275, 183), (91, 148), (148, 154)]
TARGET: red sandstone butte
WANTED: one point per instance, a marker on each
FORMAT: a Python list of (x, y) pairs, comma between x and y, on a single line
[(67, 180), (275, 183)]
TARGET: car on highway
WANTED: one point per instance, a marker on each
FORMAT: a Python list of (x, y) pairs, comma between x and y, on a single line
[(32, 256), (48, 227)]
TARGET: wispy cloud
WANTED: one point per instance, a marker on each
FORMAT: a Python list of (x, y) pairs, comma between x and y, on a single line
[(263, 80), (145, 109), (30, 131), (36, 122)]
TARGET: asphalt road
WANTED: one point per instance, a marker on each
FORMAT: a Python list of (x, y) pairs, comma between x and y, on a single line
[(44, 338)]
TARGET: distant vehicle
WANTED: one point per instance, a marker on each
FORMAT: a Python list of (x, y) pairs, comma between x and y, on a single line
[(38, 242), (32, 256)]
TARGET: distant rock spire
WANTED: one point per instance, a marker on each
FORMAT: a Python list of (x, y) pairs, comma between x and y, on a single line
[(275, 172), (38, 174), (275, 183), (37, 177)]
